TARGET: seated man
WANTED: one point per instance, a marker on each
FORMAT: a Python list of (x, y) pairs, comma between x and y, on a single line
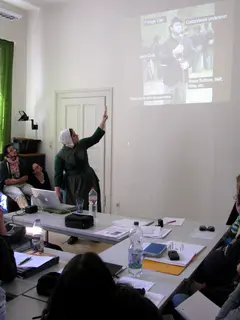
[(13, 177), (235, 228), (8, 269)]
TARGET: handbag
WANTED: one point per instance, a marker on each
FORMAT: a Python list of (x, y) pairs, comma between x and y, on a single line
[(79, 221)]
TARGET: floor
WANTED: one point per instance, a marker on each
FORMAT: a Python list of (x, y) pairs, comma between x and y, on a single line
[(80, 247)]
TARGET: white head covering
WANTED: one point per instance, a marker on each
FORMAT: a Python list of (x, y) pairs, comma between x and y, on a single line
[(65, 138)]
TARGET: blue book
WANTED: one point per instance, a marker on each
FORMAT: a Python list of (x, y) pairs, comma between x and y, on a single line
[(154, 250)]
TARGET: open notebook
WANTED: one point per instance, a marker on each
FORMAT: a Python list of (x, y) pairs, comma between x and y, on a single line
[(31, 264)]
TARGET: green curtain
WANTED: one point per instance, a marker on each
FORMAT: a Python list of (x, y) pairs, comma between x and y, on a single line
[(6, 68)]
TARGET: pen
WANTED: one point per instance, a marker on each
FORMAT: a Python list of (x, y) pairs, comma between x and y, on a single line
[(171, 221), (24, 261)]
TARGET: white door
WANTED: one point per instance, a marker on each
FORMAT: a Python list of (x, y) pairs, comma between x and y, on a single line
[(83, 113)]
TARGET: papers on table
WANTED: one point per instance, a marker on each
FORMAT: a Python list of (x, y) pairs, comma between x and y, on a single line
[(34, 261), (156, 298), (177, 221), (113, 232), (128, 223), (186, 253), (136, 283), (155, 232), (203, 234)]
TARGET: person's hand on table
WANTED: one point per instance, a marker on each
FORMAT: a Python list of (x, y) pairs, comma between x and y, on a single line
[(58, 192)]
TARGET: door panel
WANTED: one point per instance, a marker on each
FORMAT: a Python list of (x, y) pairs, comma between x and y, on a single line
[(84, 114)]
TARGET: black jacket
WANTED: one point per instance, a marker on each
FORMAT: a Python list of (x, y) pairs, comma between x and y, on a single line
[(173, 74), (33, 181), (8, 269), (6, 174)]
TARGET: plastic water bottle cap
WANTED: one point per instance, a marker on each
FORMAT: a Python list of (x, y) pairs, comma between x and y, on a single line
[(136, 223)]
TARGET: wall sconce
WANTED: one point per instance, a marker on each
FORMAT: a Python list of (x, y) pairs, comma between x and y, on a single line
[(25, 117)]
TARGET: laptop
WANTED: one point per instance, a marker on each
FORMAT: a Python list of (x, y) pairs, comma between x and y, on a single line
[(49, 201)]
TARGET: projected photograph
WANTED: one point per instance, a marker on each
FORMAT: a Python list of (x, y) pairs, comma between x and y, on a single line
[(180, 54)]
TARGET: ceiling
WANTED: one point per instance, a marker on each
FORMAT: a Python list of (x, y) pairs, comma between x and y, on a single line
[(31, 4)]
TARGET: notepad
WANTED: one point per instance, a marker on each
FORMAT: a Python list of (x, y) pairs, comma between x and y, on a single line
[(128, 223), (177, 221), (156, 298), (35, 261), (155, 232), (113, 232), (136, 283), (186, 253), (208, 235)]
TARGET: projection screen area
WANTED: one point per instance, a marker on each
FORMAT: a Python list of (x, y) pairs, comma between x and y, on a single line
[(185, 55)]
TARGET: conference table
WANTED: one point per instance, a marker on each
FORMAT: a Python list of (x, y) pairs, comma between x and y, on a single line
[(117, 254), (164, 284), (52, 222)]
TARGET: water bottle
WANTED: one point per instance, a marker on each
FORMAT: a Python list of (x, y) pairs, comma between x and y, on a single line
[(135, 250), (2, 304), (92, 202), (37, 237)]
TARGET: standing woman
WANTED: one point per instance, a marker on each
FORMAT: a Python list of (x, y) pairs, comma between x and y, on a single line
[(72, 160)]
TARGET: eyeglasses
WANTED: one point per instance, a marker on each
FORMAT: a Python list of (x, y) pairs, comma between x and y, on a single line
[(209, 228)]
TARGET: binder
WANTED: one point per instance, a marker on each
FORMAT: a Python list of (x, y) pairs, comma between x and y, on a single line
[(163, 267)]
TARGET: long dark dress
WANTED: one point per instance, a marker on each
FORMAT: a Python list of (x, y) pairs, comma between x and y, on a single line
[(79, 176)]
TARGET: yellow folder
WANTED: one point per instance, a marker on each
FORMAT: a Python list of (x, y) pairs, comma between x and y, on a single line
[(163, 267)]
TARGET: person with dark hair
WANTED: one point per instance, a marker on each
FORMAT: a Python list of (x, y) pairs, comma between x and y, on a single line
[(197, 41), (14, 177), (176, 56), (86, 281), (208, 42), (73, 160), (39, 178), (8, 269)]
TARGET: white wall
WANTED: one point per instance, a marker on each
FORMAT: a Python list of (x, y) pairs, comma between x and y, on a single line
[(171, 160), (16, 31)]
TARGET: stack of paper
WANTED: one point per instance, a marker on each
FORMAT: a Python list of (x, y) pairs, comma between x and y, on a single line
[(186, 253), (155, 232), (114, 232), (156, 298), (137, 283), (32, 261), (203, 234), (128, 223), (173, 221)]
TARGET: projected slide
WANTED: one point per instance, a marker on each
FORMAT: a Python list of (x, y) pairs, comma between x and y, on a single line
[(186, 54)]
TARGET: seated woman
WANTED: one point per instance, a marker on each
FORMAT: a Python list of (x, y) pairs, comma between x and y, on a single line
[(86, 290), (8, 269), (39, 178)]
